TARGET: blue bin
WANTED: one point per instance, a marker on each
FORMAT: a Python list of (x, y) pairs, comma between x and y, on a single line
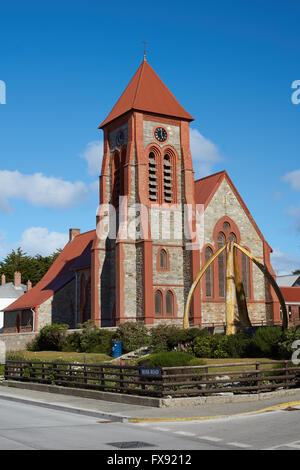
[(116, 349)]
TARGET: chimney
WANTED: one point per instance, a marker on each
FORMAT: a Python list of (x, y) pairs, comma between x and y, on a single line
[(17, 279), (29, 285), (3, 280), (73, 232)]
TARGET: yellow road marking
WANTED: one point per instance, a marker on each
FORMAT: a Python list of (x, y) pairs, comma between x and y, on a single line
[(205, 418)]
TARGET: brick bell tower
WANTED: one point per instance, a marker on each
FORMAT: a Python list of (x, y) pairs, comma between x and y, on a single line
[(147, 162)]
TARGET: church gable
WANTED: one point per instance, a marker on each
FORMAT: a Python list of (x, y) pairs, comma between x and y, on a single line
[(225, 203)]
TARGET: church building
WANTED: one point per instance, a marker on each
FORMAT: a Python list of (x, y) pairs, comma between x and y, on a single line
[(149, 245)]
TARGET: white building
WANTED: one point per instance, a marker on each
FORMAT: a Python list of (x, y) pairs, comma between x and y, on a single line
[(9, 292)]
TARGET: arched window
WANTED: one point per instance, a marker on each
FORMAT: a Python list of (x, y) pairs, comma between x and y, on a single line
[(222, 265), (158, 303), (167, 174), (232, 237), (245, 273), (121, 172), (163, 259), (153, 177), (169, 303), (116, 179), (209, 274)]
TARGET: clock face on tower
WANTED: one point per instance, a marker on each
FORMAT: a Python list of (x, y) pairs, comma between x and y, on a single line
[(160, 134)]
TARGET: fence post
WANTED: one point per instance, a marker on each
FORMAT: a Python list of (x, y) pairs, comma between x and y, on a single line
[(31, 373), (121, 379), (205, 377), (163, 382), (258, 373), (85, 374), (286, 373), (102, 377)]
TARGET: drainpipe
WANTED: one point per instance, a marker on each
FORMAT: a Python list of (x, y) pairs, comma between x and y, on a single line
[(33, 319), (76, 299)]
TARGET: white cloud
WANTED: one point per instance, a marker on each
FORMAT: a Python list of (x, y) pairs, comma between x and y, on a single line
[(294, 179), (40, 190), (283, 263), (34, 240), (38, 240), (3, 245), (93, 156), (295, 213), (204, 153)]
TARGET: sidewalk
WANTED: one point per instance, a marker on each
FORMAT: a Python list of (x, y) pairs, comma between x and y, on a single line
[(135, 413)]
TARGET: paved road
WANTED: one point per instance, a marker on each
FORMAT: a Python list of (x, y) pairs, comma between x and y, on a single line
[(25, 427)]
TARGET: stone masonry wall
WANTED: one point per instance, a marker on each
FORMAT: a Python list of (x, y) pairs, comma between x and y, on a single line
[(60, 308), (223, 203)]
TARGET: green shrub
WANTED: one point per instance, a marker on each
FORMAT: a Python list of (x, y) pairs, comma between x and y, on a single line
[(235, 345), (267, 340), (205, 346), (133, 335), (193, 333), (72, 342), (222, 347), (96, 340), (160, 335), (49, 338), (167, 337), (167, 359)]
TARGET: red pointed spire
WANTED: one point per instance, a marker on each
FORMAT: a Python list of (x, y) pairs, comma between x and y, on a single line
[(147, 92)]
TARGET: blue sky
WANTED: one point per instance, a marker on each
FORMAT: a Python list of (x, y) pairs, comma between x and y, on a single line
[(230, 64)]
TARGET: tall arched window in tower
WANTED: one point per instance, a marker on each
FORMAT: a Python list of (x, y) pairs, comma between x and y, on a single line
[(222, 265), (167, 175), (169, 303), (209, 274), (158, 303), (245, 273), (116, 179), (163, 259), (121, 171), (153, 177)]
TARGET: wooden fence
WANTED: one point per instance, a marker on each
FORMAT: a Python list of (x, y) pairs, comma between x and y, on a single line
[(237, 378)]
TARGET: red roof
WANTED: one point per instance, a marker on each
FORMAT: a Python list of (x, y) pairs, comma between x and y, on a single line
[(206, 187), (147, 92), (75, 255), (291, 294)]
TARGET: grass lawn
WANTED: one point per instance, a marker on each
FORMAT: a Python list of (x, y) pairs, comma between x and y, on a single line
[(95, 358), (56, 356), (237, 361)]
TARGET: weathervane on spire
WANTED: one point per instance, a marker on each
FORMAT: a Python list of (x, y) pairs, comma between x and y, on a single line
[(144, 42)]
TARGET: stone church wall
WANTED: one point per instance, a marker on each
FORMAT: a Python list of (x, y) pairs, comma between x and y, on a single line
[(225, 203), (60, 308)]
